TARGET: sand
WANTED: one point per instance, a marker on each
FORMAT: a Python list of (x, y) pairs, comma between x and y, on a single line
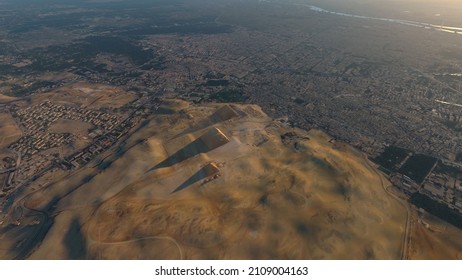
[(92, 96), (250, 197), (434, 239), (73, 127), (5, 98), (9, 131)]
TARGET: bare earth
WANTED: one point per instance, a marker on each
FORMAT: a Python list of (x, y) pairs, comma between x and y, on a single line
[(88, 95), (434, 239), (5, 98), (229, 185), (9, 131)]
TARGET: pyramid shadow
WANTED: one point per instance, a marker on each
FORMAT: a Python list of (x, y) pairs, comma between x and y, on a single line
[(222, 114), (206, 171), (210, 140), (74, 241)]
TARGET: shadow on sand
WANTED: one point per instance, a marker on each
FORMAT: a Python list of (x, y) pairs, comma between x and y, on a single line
[(206, 171), (210, 140), (74, 241)]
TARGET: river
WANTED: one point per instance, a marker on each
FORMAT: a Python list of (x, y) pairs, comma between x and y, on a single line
[(449, 29)]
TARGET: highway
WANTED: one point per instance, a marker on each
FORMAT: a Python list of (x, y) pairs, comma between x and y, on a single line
[(406, 237)]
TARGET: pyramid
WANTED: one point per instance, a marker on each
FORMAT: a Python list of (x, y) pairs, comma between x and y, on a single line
[(210, 169), (224, 113), (213, 138)]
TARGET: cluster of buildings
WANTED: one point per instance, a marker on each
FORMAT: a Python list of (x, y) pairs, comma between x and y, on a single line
[(41, 116), (442, 184), (140, 108), (41, 150), (33, 144), (99, 144), (36, 120), (8, 170), (33, 166), (445, 186)]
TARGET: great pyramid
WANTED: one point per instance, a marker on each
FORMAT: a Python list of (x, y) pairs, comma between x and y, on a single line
[(213, 139)]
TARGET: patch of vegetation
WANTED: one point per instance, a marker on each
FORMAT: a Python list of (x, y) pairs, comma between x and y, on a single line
[(115, 45), (217, 83), (459, 157), (228, 95), (438, 209), (391, 157), (447, 169), (452, 125), (299, 101), (6, 69), (186, 29), (417, 167), (55, 21), (82, 55)]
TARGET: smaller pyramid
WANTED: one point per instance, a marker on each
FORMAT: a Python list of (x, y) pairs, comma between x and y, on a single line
[(213, 139), (210, 169), (224, 113), (206, 172)]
